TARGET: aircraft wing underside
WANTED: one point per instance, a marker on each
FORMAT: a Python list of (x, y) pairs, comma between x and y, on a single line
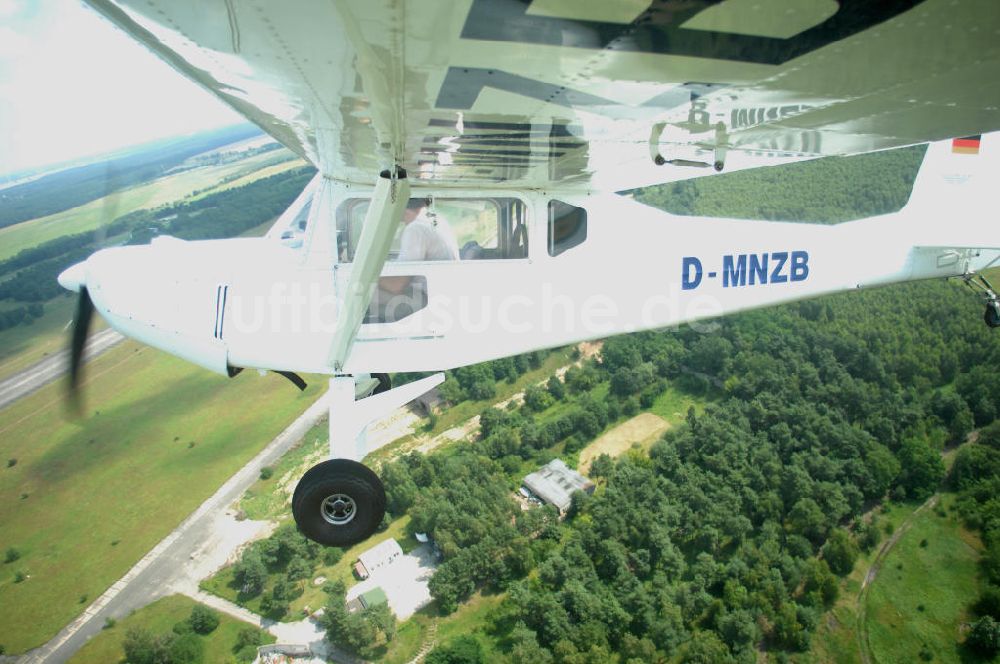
[(572, 93)]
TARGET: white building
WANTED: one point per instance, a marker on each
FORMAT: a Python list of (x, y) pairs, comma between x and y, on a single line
[(378, 556), (555, 482)]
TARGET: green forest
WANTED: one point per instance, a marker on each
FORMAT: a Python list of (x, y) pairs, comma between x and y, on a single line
[(729, 537)]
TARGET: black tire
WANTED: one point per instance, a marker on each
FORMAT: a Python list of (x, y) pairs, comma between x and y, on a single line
[(384, 383), (992, 317), (338, 490)]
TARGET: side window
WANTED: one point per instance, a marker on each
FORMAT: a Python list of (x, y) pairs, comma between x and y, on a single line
[(567, 227), (475, 228), (396, 298), (475, 223)]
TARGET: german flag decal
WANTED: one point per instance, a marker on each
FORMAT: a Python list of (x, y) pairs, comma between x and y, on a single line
[(967, 145)]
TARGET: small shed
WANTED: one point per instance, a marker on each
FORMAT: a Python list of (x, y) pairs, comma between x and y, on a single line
[(555, 483), (373, 597)]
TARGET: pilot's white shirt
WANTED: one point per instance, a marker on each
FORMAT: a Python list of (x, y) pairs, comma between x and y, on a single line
[(425, 240)]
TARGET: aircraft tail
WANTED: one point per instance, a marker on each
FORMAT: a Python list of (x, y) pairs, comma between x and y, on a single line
[(955, 196)]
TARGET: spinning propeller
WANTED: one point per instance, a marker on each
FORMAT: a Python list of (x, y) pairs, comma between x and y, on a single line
[(74, 278)]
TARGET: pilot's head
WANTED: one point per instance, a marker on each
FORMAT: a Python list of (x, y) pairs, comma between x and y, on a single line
[(414, 208)]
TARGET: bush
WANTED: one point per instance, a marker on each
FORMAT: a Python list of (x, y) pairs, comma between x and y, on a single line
[(868, 535), (11, 555), (985, 636), (266, 473), (19, 576), (187, 649), (141, 647), (11, 463), (840, 552), (332, 555), (988, 603), (203, 619), (246, 644), (249, 636), (109, 622), (463, 649)]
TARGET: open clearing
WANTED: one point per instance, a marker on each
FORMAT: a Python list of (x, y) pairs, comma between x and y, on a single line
[(159, 618), (643, 429), (85, 500), (94, 214), (919, 598)]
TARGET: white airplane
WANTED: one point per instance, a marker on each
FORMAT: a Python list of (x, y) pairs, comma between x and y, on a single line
[(512, 124)]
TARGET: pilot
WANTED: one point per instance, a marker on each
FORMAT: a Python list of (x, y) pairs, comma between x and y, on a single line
[(423, 239)]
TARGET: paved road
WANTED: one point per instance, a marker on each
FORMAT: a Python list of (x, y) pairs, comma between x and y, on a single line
[(168, 567), (53, 367)]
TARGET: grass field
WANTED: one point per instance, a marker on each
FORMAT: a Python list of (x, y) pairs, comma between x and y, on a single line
[(92, 215), (836, 638), (918, 601), (270, 499), (470, 619), (673, 404), (643, 430), (259, 174), (160, 617), (85, 500)]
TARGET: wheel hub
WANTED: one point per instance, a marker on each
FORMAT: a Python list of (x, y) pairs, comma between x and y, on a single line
[(338, 509)]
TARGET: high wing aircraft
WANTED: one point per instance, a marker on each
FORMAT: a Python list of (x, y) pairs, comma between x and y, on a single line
[(501, 129)]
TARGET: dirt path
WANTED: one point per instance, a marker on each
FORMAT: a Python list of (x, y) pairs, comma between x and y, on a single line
[(864, 647)]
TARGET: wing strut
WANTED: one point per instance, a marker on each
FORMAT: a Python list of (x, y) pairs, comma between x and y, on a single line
[(384, 214)]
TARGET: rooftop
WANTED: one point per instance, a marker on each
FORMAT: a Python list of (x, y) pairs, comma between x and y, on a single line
[(380, 554), (555, 482), (373, 597)]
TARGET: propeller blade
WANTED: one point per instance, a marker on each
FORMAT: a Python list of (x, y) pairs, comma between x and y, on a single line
[(81, 328)]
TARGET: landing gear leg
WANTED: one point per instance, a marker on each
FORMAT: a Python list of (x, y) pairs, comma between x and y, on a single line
[(340, 502), (978, 282)]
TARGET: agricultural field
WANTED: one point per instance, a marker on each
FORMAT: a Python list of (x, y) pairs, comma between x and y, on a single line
[(160, 618), (162, 191), (77, 497)]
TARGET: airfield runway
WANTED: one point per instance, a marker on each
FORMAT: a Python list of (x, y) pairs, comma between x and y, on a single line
[(53, 367)]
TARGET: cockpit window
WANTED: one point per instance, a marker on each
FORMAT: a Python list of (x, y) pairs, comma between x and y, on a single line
[(477, 228), (290, 228), (567, 227)]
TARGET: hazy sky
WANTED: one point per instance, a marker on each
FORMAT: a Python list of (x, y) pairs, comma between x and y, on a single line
[(72, 84)]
